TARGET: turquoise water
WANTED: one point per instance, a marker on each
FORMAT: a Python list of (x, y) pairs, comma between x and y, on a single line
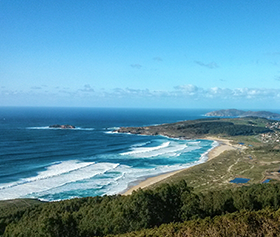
[(54, 164)]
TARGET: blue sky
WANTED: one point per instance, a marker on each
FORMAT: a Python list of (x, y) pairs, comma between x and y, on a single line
[(128, 53)]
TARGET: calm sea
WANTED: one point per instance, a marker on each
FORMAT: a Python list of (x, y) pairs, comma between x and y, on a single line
[(55, 164)]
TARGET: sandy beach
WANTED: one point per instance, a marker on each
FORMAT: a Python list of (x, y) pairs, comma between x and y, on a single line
[(224, 145)]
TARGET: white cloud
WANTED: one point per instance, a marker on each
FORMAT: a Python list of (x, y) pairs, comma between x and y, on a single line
[(128, 92), (146, 97), (187, 90), (226, 93)]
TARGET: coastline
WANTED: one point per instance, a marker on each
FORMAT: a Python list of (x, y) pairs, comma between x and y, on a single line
[(223, 145)]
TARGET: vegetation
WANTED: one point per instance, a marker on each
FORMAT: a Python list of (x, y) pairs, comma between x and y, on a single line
[(196, 202), (226, 128), (201, 127), (99, 216), (244, 223)]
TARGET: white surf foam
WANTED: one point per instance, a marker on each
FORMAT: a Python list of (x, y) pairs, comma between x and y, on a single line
[(45, 127), (56, 169), (204, 156), (194, 143), (128, 175), (167, 149), (102, 178), (133, 175), (141, 144), (138, 175), (110, 132), (76, 128), (84, 129), (112, 128), (55, 176), (146, 149)]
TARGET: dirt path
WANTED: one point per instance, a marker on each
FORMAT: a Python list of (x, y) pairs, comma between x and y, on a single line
[(229, 168)]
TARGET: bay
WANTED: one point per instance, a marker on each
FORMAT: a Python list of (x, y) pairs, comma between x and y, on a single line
[(55, 164)]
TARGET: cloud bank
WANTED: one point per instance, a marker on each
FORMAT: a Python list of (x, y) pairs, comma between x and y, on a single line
[(192, 91), (144, 97)]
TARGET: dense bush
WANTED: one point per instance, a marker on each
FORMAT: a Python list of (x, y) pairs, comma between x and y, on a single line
[(244, 223), (238, 130), (99, 216), (220, 127)]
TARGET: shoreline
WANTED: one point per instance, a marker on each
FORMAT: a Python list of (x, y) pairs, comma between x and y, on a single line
[(223, 145)]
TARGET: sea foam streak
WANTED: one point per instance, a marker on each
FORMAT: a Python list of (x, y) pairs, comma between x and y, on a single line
[(56, 169), (55, 176), (146, 149), (72, 177), (125, 175), (47, 127), (167, 149), (132, 175)]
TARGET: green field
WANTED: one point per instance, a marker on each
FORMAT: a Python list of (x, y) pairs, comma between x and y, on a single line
[(251, 163)]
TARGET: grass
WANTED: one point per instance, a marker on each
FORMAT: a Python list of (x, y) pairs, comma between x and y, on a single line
[(257, 165), (261, 122)]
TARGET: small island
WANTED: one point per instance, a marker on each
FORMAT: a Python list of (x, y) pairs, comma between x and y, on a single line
[(66, 126)]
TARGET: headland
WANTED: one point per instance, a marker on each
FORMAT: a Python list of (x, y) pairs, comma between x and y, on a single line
[(230, 133)]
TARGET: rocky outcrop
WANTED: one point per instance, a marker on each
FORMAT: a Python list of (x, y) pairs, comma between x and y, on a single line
[(66, 126)]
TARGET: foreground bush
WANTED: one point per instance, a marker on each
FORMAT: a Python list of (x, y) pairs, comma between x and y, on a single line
[(100, 216), (244, 223)]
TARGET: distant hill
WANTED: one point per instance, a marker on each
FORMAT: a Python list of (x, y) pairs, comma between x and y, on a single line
[(241, 113), (194, 129)]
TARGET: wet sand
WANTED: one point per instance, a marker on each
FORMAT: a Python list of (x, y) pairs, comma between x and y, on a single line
[(224, 145)]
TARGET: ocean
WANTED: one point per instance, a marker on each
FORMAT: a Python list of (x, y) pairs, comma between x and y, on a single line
[(54, 164)]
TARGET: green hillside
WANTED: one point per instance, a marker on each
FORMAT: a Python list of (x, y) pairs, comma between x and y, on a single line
[(199, 128)]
